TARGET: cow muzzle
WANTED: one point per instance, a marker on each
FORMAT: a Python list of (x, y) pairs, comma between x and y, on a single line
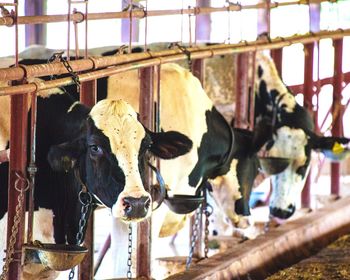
[(136, 208), (282, 213)]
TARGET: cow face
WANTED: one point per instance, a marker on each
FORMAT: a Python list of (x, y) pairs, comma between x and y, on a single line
[(111, 155)]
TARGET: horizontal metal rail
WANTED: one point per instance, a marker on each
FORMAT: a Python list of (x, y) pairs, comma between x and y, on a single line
[(139, 13), (133, 61)]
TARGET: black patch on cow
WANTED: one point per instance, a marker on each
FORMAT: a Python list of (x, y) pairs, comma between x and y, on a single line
[(260, 71), (215, 145)]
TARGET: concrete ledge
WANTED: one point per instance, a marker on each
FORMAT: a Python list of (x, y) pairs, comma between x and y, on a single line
[(279, 248)]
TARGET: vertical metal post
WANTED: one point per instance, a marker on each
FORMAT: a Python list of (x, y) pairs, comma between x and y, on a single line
[(126, 27), (35, 33), (18, 161), (264, 18), (198, 71), (242, 91), (308, 94), (314, 14), (203, 23), (337, 128), (143, 262), (276, 55), (86, 268)]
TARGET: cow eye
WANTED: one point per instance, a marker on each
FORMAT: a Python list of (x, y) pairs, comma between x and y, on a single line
[(96, 150)]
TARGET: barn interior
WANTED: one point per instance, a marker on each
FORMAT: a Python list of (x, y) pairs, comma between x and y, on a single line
[(81, 42)]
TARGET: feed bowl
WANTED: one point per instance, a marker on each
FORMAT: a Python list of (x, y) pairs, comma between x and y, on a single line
[(183, 204), (273, 165), (54, 256)]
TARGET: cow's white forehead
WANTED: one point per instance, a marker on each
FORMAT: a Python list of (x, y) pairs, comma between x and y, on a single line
[(118, 121)]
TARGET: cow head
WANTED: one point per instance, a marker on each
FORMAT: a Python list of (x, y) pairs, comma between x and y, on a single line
[(111, 154)]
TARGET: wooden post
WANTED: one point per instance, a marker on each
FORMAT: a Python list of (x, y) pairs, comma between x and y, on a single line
[(337, 128), (143, 262), (86, 267), (264, 18)]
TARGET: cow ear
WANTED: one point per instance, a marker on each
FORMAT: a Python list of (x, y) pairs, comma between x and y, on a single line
[(170, 144), (63, 157)]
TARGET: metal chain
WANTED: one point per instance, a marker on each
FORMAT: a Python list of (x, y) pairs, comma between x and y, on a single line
[(208, 210), (195, 228), (16, 221), (58, 57), (85, 200), (129, 274)]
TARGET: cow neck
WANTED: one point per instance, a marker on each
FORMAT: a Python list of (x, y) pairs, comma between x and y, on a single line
[(84, 189), (229, 155)]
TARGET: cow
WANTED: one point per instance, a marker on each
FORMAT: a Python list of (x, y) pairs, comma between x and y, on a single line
[(104, 149), (285, 129)]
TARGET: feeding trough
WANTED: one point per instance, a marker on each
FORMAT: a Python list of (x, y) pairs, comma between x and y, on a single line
[(54, 256), (273, 165), (183, 204)]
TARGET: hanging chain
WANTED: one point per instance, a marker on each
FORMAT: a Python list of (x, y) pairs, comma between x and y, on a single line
[(59, 58), (129, 274), (85, 200), (207, 210), (195, 228), (16, 221)]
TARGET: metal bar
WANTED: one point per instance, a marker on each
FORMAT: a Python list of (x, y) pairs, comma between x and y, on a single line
[(101, 253), (17, 73), (140, 14), (242, 91), (264, 25), (88, 95), (337, 127), (308, 94), (32, 167), (203, 23), (198, 71), (18, 160), (35, 34), (127, 26), (143, 261), (277, 55)]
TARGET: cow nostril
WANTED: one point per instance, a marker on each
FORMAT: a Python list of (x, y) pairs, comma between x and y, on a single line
[(147, 203), (126, 205), (215, 232)]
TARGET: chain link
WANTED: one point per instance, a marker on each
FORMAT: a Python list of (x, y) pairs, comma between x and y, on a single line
[(129, 274), (16, 221), (195, 228), (85, 200), (59, 58), (208, 210)]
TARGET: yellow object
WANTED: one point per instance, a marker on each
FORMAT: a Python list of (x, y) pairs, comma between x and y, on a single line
[(337, 148)]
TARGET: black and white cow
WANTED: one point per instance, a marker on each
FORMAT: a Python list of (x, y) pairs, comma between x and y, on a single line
[(285, 129), (107, 147)]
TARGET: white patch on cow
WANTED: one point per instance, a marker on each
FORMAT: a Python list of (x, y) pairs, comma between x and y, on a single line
[(42, 231), (118, 121), (287, 185), (72, 106), (226, 192), (273, 81)]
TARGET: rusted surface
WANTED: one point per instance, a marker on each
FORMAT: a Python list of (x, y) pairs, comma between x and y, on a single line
[(143, 262), (18, 161), (88, 93), (277, 55), (337, 112), (308, 95), (276, 249), (144, 60)]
